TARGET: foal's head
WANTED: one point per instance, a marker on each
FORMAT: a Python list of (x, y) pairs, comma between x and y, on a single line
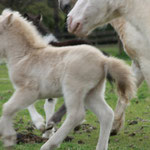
[(6, 20), (89, 14), (16, 30)]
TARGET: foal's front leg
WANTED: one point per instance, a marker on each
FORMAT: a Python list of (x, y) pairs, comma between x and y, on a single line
[(21, 99), (75, 114)]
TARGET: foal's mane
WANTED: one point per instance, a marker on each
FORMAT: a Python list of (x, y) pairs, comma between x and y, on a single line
[(26, 29)]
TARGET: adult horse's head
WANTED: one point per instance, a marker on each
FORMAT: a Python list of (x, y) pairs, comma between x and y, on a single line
[(89, 14), (66, 5)]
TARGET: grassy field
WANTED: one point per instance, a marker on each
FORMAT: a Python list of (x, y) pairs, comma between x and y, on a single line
[(134, 136)]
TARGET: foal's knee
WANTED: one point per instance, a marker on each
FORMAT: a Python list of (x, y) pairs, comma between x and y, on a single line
[(109, 115), (81, 117), (8, 109), (78, 117)]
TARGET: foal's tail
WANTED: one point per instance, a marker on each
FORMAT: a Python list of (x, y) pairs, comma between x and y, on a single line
[(123, 77), (126, 88)]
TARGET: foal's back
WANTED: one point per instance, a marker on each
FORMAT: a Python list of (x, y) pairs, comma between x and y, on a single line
[(48, 66)]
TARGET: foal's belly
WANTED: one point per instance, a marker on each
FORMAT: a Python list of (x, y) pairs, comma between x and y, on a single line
[(50, 90)]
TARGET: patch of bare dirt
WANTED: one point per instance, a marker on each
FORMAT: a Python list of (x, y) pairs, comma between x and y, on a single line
[(29, 138), (84, 128)]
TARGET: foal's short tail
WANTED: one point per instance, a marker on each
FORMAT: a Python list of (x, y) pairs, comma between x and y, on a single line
[(126, 88), (123, 77)]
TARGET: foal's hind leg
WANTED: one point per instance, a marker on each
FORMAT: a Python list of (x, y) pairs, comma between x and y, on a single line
[(121, 105), (96, 103), (49, 108), (37, 119), (74, 101), (21, 99), (56, 118)]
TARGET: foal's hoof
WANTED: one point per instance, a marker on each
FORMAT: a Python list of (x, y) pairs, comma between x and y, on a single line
[(9, 141), (48, 133), (44, 148), (50, 126), (41, 127)]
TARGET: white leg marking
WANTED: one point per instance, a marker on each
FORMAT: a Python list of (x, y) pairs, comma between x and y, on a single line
[(49, 108), (37, 119)]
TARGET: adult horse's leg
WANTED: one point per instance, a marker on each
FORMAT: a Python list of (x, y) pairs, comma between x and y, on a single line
[(96, 103), (37, 119), (137, 73), (121, 105), (74, 100), (49, 108), (144, 64), (21, 99)]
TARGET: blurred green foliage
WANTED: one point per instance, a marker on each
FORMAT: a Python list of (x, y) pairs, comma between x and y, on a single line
[(47, 8)]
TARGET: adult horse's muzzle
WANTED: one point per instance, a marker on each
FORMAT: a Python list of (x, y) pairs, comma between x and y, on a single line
[(75, 27)]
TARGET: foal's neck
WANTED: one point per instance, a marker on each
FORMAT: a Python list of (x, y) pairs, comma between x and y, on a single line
[(17, 48)]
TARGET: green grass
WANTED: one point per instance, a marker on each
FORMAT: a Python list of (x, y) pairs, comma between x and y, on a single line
[(132, 137)]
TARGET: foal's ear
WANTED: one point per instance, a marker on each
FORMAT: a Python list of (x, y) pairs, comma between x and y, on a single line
[(8, 21), (26, 15), (39, 18)]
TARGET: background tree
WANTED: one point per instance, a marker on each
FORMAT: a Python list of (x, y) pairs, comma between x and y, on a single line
[(52, 17)]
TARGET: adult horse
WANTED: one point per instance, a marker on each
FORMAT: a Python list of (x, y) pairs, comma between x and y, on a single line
[(130, 21), (38, 70)]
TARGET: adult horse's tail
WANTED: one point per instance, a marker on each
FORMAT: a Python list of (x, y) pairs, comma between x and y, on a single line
[(126, 88)]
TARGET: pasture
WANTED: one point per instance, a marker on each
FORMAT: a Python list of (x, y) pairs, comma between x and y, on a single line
[(134, 136)]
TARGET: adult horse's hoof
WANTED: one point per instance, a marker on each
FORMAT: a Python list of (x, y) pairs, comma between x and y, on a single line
[(113, 132), (117, 126)]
